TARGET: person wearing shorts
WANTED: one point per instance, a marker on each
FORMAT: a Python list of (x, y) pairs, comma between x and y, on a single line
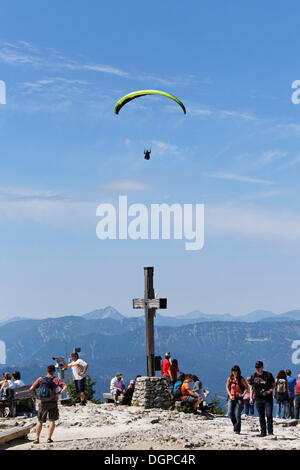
[(48, 409), (187, 395), (78, 368)]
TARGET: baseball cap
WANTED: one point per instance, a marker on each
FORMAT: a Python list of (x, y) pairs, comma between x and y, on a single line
[(259, 364)]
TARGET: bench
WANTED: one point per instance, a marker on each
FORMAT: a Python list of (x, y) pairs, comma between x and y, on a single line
[(16, 432), (108, 397), (8, 407)]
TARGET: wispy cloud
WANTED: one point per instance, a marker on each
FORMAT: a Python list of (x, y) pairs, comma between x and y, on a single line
[(127, 185), (23, 53), (26, 194), (269, 157), (221, 113), (250, 221), (263, 195), (97, 68), (161, 147), (241, 178), (293, 127)]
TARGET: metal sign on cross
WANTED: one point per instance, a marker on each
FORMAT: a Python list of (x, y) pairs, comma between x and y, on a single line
[(150, 304)]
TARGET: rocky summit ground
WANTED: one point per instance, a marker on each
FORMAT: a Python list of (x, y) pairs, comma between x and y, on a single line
[(110, 427)]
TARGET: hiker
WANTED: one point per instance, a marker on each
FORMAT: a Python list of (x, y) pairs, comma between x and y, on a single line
[(17, 379), (45, 390), (198, 388), (263, 384), (174, 369), (166, 366), (204, 407), (248, 409), (236, 388), (292, 383), (78, 368), (187, 395), (127, 399), (6, 386), (117, 386), (297, 398), (281, 394), (177, 387)]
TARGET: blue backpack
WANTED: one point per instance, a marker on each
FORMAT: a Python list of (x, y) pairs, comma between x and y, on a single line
[(177, 389), (46, 390)]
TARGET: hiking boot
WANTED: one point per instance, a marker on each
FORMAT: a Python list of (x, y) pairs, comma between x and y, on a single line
[(261, 435), (37, 441), (82, 403), (49, 440)]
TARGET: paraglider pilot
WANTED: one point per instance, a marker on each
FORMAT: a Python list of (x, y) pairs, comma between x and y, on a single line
[(147, 154)]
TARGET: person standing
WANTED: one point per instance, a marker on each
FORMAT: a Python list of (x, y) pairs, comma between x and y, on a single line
[(263, 384), (166, 366), (282, 394), (292, 383), (47, 397), (248, 409), (297, 398), (236, 388), (78, 368)]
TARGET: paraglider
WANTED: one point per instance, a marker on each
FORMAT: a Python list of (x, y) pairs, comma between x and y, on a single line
[(137, 94), (147, 154)]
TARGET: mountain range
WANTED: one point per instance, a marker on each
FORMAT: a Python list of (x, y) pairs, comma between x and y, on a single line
[(110, 341), (195, 316)]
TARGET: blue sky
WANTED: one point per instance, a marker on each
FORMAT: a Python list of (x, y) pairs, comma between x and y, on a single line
[(63, 152)]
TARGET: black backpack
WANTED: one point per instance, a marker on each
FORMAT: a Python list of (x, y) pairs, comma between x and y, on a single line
[(46, 390)]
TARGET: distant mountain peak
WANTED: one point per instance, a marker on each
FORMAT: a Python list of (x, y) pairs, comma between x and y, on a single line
[(102, 313)]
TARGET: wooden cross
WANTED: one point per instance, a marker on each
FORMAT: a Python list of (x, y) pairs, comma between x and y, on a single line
[(150, 304)]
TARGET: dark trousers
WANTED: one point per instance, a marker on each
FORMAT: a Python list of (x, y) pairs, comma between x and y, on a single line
[(291, 409), (234, 412), (265, 409), (297, 406), (248, 409)]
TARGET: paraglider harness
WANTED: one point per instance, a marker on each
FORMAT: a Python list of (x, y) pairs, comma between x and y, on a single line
[(147, 154)]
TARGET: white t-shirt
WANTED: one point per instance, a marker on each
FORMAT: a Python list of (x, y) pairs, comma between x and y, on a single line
[(19, 383), (117, 383), (76, 367)]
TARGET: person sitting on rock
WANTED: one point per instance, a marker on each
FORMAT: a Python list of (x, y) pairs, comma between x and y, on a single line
[(6, 386), (129, 393), (17, 379), (117, 386), (187, 395)]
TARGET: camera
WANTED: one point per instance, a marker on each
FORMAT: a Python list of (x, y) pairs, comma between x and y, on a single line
[(59, 360)]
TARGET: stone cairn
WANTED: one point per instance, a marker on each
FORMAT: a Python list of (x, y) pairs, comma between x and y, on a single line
[(152, 392)]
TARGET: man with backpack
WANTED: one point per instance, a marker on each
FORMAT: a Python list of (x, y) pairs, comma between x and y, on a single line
[(45, 390), (263, 384)]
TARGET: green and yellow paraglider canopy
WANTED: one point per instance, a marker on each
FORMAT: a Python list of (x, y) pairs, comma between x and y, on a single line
[(139, 93)]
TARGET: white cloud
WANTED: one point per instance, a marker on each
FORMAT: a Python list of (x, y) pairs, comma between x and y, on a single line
[(161, 147), (22, 194), (127, 185), (241, 178), (270, 156), (250, 221), (220, 114)]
